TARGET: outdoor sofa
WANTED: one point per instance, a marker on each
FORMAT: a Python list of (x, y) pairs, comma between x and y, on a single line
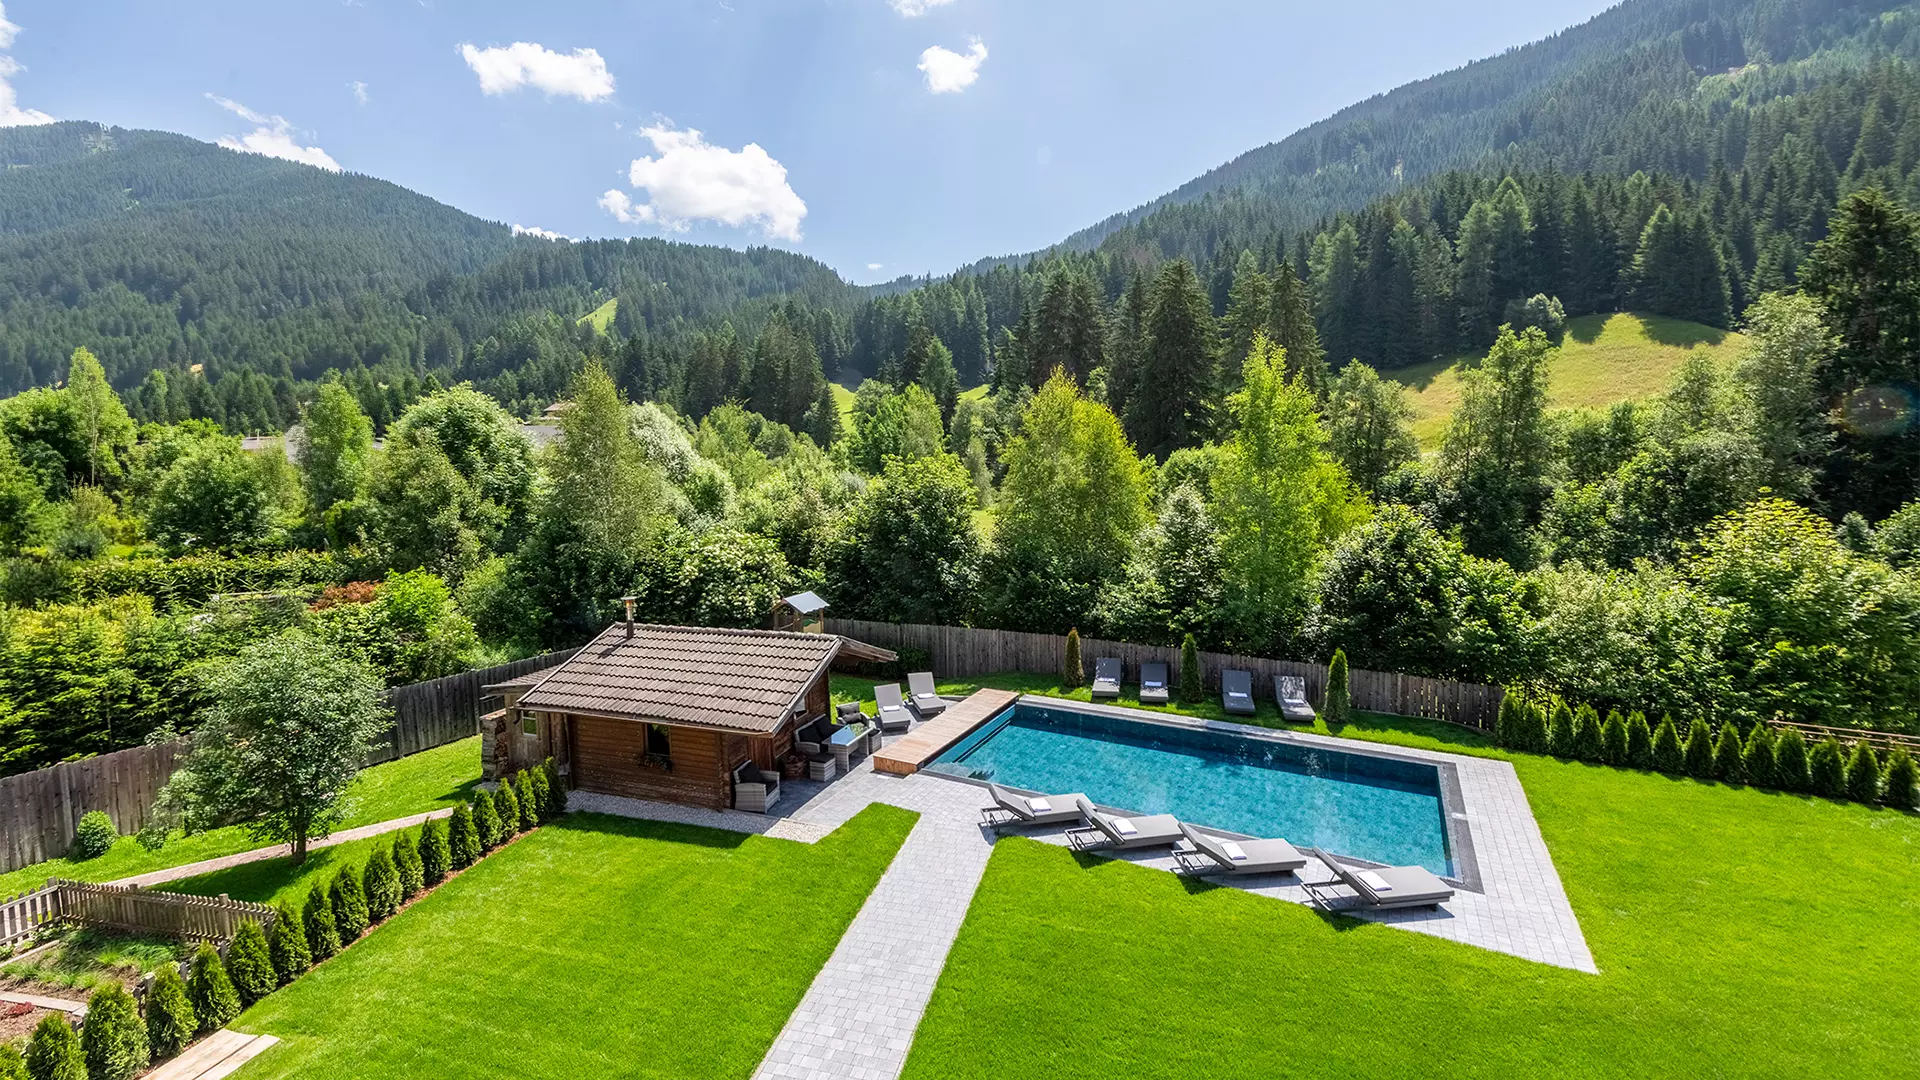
[(1212, 855), (1106, 677), (1110, 832), (1153, 684), (1383, 887), (1010, 809), (1236, 692)]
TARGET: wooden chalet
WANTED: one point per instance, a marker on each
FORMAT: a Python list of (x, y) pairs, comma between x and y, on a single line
[(668, 712)]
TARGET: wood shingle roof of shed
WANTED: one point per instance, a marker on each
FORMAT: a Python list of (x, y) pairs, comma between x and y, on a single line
[(733, 680)]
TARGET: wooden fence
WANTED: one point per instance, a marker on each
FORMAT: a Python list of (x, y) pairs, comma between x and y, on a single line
[(128, 907), (962, 652), (40, 810), (1885, 742)]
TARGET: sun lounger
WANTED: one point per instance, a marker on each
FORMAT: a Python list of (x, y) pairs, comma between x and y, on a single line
[(925, 701), (1383, 887), (1153, 684), (1121, 833), (1106, 678), (1291, 692), (1010, 809), (893, 714), (1212, 855), (1236, 692)]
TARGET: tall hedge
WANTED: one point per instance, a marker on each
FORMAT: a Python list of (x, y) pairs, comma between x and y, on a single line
[(1699, 750), (1726, 754), (528, 796), (556, 803), (463, 841), (113, 1036), (381, 883), (1338, 706), (1756, 757), (1507, 725), (170, 1019), (1613, 739), (507, 804), (435, 857), (250, 963), (1193, 681), (1073, 671), (215, 1001), (406, 861), (53, 1051), (1790, 766), (1560, 729), (349, 902), (1827, 768), (1639, 741), (536, 780), (1863, 773), (323, 936), (1903, 781), (287, 946), (1668, 755), (486, 820), (1587, 742)]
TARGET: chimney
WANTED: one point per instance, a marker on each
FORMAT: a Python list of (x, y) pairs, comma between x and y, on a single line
[(629, 601)]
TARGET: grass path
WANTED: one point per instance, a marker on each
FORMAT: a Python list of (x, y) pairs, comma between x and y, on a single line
[(596, 946)]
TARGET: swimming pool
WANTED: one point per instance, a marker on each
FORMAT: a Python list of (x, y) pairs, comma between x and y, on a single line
[(1369, 806)]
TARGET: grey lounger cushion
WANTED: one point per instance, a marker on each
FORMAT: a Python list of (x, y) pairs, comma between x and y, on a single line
[(1154, 830), (1291, 692), (1404, 886), (925, 701), (1065, 807), (1261, 856), (1153, 683), (1236, 692), (1106, 677)]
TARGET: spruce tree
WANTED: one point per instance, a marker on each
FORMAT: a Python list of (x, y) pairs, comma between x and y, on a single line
[(1863, 774), (1072, 670), (1180, 364), (1903, 781), (463, 841), (1827, 768), (1790, 769), (1668, 755), (435, 856), (323, 937), (1639, 741), (1756, 757), (506, 803), (250, 963), (1587, 741), (214, 999), (1613, 739), (287, 946), (1699, 750), (1726, 755), (113, 1035), (381, 882), (53, 1052), (555, 805), (349, 902), (1560, 729), (1337, 708), (170, 1021)]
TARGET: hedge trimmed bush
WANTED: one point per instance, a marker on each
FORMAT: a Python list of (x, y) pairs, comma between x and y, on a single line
[(1863, 773), (1827, 768), (463, 841), (323, 936), (1756, 757), (537, 788), (349, 902), (1193, 682), (435, 858), (556, 801), (250, 963), (287, 946), (1903, 778), (1668, 755), (1790, 767), (1613, 739), (486, 822), (1560, 729), (523, 790), (1588, 744), (12, 1065), (1072, 670), (381, 883), (53, 1051), (94, 835), (1726, 754), (215, 1001), (406, 861), (113, 1036), (170, 1019), (507, 805), (1508, 724), (1699, 750), (1639, 741)]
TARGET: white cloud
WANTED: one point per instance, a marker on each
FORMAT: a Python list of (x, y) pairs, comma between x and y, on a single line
[(11, 114), (875, 266), (359, 91), (913, 9), (544, 234), (583, 74), (949, 72), (273, 137), (692, 180)]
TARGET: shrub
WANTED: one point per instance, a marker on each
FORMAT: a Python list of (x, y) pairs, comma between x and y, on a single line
[(250, 963), (215, 1001), (1507, 724), (486, 821), (1790, 768), (1863, 773), (170, 1019), (529, 798), (1756, 757), (113, 1036), (536, 804), (1668, 756), (556, 802), (1903, 777), (323, 936), (1639, 741), (1072, 671), (1587, 743), (93, 836), (1613, 739), (406, 862), (1193, 681), (1338, 707), (12, 1065), (349, 901), (435, 858), (287, 946), (1560, 730), (507, 805), (53, 1053), (1726, 754), (1827, 768), (463, 841), (381, 883), (1699, 750)]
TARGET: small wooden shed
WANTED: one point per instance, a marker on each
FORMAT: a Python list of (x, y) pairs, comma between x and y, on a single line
[(804, 613)]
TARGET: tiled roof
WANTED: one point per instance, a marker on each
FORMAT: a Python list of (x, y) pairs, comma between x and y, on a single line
[(531, 678), (736, 680)]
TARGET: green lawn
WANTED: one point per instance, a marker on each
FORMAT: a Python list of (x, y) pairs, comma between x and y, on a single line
[(277, 880), (1603, 359), (601, 318), (425, 781), (596, 946), (1739, 933)]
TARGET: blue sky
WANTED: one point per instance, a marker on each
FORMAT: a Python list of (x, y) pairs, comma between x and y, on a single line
[(877, 156)]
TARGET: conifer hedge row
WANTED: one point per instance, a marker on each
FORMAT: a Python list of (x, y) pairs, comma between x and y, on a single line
[(1760, 758)]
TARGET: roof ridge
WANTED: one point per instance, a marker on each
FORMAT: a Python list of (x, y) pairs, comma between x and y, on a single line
[(732, 630)]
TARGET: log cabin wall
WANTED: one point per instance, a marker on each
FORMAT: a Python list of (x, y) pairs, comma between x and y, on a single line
[(609, 759)]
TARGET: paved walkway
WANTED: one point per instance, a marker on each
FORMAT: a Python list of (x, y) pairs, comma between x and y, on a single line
[(208, 866), (76, 1008), (218, 1055)]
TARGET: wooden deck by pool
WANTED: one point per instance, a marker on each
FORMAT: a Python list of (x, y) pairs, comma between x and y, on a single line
[(905, 756)]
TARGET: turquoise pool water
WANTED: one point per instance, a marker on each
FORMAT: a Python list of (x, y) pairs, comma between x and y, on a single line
[(1385, 810)]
